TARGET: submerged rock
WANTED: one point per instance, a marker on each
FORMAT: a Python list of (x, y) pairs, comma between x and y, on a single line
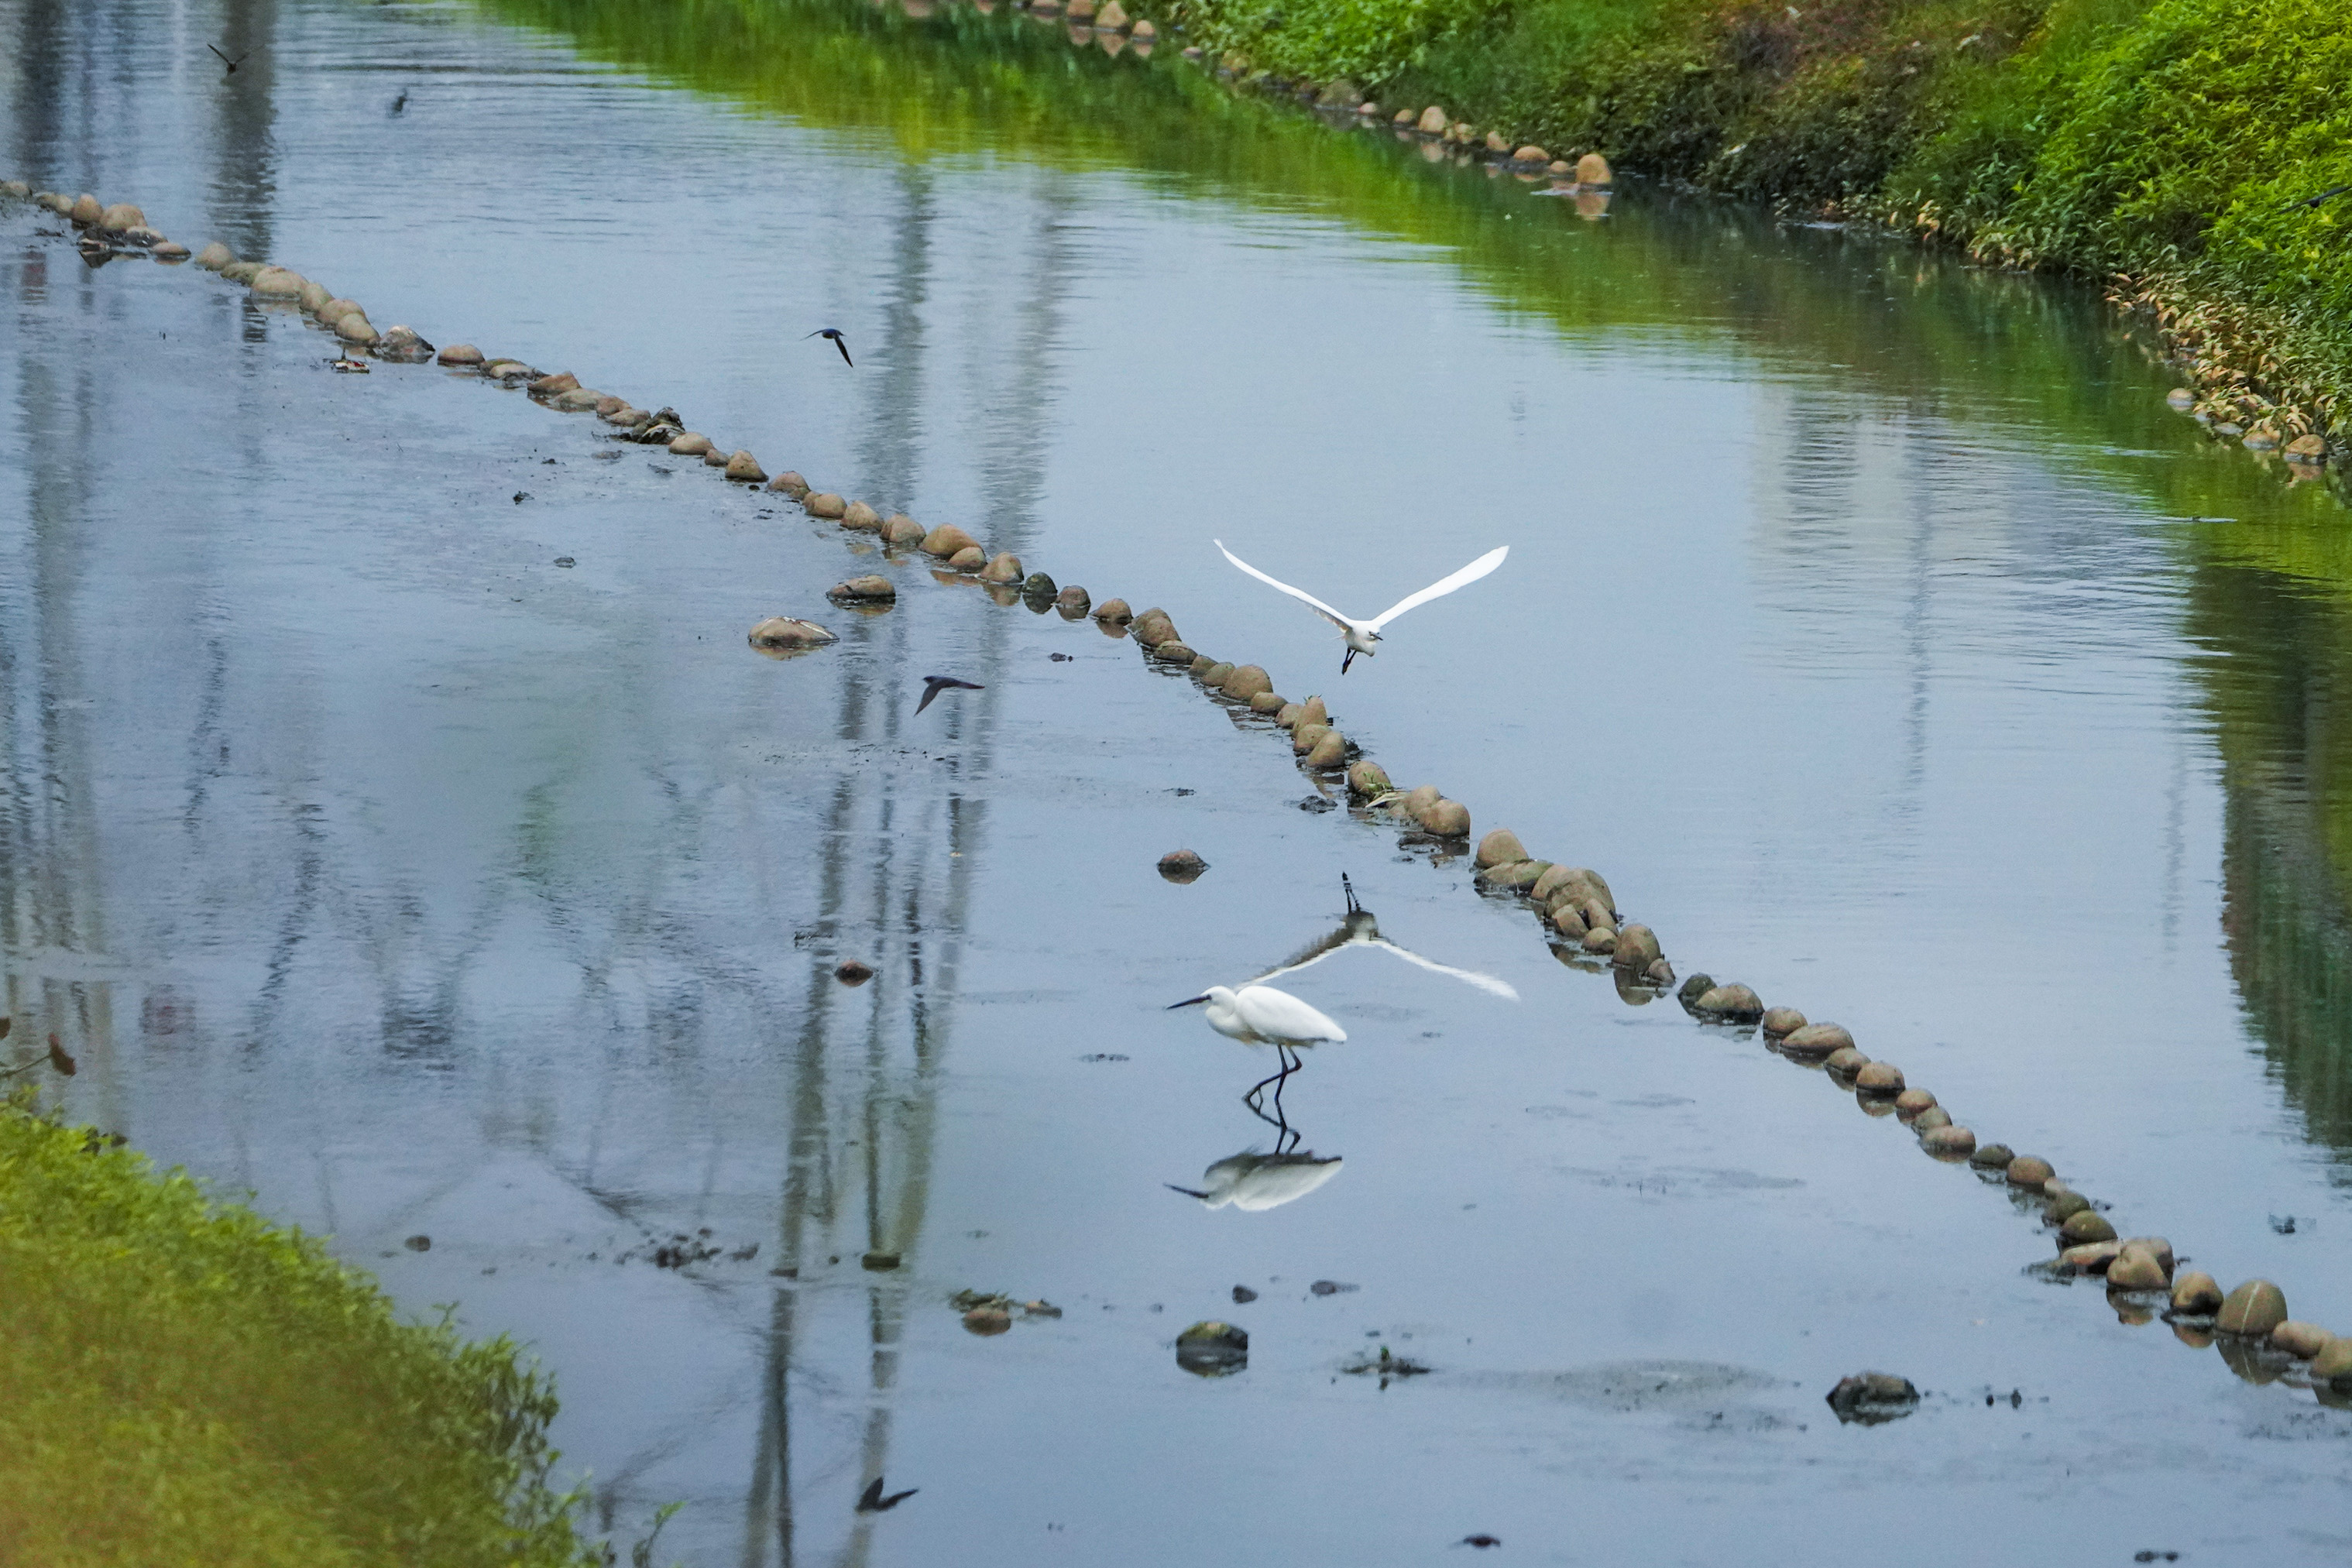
[(2300, 1340), (1911, 1103), (2333, 1364), (403, 345), (789, 484), (858, 515), (903, 532), (1433, 121), (1268, 702), (1212, 1349), (850, 972), (693, 444), (1071, 602), (824, 504), (462, 354), (1927, 1120), (783, 632), (1114, 611), (554, 386), (969, 559), (1368, 779), (2085, 1225), (1004, 568), (356, 329), (1592, 169), (1993, 1156), (1182, 866), (1947, 1143), (868, 589), (2140, 1266), (1330, 750), (579, 400), (86, 211), (1867, 1399), (1637, 947)]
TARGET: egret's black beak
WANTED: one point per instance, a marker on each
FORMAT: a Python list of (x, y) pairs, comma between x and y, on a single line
[(1188, 1002), (1187, 1191)]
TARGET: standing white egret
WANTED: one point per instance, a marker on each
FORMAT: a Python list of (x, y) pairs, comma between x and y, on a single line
[(1360, 635), (1260, 1015)]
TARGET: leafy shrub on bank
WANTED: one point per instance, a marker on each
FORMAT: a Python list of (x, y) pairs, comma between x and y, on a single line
[(186, 1383)]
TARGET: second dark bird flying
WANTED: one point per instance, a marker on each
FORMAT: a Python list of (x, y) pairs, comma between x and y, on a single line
[(871, 1500), (838, 342), (934, 684)]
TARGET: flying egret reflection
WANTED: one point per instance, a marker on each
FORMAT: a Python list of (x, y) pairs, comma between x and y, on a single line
[(1253, 1182), (1361, 929)]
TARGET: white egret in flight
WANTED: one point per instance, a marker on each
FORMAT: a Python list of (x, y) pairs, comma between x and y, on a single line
[(1360, 635)]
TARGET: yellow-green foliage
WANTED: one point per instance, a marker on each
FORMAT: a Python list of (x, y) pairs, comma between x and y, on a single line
[(2165, 139), (183, 1383)]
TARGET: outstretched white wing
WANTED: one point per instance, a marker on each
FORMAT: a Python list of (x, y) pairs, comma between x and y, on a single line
[(1486, 983), (1337, 619), (1438, 590)]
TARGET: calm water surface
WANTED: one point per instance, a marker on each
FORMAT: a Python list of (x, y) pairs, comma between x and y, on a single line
[(1868, 621)]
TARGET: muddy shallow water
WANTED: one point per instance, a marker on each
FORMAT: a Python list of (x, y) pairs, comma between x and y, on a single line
[(1870, 623)]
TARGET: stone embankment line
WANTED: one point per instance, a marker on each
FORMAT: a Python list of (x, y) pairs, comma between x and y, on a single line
[(1574, 904)]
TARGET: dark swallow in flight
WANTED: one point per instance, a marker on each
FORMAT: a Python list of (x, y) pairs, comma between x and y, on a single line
[(872, 1500), (232, 64), (400, 102), (2314, 201), (838, 342), (934, 684)]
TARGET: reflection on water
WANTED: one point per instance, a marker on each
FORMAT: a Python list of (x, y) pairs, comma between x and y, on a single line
[(368, 862)]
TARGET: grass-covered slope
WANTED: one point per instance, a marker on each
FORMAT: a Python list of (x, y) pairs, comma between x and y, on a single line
[(2165, 141), (187, 1384)]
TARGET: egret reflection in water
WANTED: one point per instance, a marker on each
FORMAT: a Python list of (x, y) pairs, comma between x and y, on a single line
[(1251, 1181)]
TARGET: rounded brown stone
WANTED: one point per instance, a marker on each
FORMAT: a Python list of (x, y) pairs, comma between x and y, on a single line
[(744, 468), (1637, 947), (2063, 1207), (1329, 751), (86, 211), (858, 515), (851, 972), (783, 632), (1734, 1001), (1447, 819), (2029, 1170), (969, 559), (1782, 1021), (1846, 1061), (1247, 682), (1816, 1040), (868, 587), (1415, 801), (1992, 1157), (461, 354), (1880, 1078), (2300, 1340), (215, 256), (1369, 779), (356, 329), (1500, 847), (277, 283), (988, 1321), (2158, 1247), (1003, 567), (2136, 1268), (170, 251), (1303, 737), (583, 400), (1213, 672), (1182, 865), (606, 403), (691, 444), (2333, 1364), (1113, 610), (1592, 169), (549, 386), (1072, 603), (1153, 627), (1928, 1120), (1267, 703), (947, 542), (1568, 924), (1172, 652), (789, 484), (1911, 1102), (2091, 1257), (1600, 939), (1949, 1142), (2254, 1308), (903, 533), (2196, 1294), (2088, 1224)]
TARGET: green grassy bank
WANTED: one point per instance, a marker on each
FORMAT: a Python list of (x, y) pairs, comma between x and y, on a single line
[(2159, 144), (187, 1384)]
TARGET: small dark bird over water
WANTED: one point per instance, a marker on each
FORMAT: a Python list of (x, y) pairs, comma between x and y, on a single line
[(838, 342), (2314, 201), (232, 64), (871, 1500), (1480, 1542), (400, 102), (934, 684)]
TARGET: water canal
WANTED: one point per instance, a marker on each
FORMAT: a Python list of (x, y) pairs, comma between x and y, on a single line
[(1869, 622)]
